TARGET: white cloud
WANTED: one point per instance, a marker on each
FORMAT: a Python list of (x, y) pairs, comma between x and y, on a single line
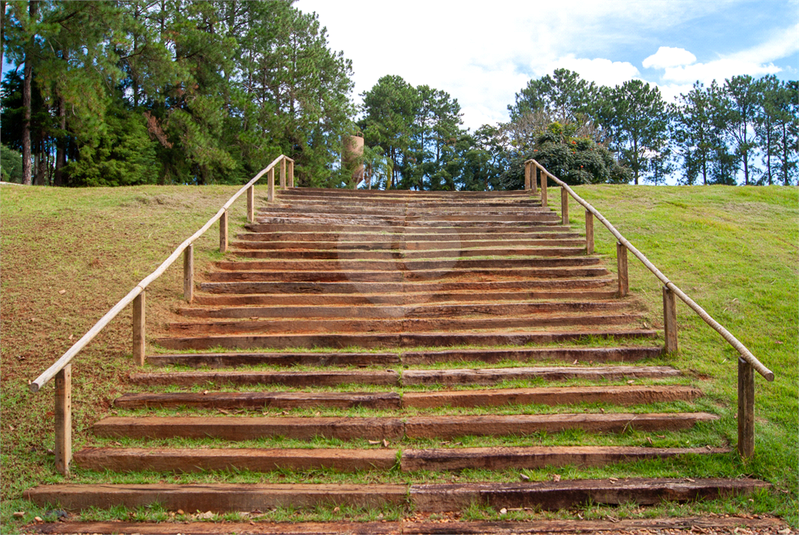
[(598, 70), (667, 56)]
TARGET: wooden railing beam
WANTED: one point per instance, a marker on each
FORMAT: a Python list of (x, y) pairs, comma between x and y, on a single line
[(621, 265), (670, 319), (589, 232), (63, 420), (564, 207), (139, 328), (746, 409), (188, 273)]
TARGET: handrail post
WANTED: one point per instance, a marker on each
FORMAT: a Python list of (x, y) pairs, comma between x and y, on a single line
[(270, 188), (746, 409), (534, 177), (283, 173), (589, 232), (670, 319), (188, 273), (621, 263), (564, 207), (544, 199), (291, 173), (251, 203), (528, 171), (223, 232), (63, 420), (138, 328)]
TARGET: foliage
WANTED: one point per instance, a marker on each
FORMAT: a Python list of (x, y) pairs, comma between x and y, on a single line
[(10, 164)]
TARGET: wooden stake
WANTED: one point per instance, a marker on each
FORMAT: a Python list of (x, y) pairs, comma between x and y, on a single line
[(223, 232), (544, 200), (283, 173), (534, 177), (291, 173), (528, 167), (670, 319), (621, 262), (746, 409), (564, 206), (589, 232), (188, 273), (270, 188), (63, 420), (251, 203), (138, 328)]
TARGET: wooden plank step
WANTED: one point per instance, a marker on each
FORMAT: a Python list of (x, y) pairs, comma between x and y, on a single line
[(421, 275), (525, 354), (300, 324), (296, 235), (218, 497), (407, 265), (423, 498), (257, 250), (383, 340), (416, 298), (389, 428), (225, 360), (705, 524), (396, 245), (250, 378), (375, 288), (260, 400), (553, 495), (354, 222), (376, 311), (617, 395), (490, 376), (351, 460), (439, 218), (254, 459)]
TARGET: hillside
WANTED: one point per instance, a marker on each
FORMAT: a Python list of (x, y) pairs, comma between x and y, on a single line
[(69, 255)]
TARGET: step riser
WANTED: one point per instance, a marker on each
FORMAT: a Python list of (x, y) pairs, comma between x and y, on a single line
[(290, 379), (375, 341), (304, 325), (439, 219), (451, 459), (255, 252), (402, 276), (406, 265), (397, 300), (615, 395), (328, 234), (393, 429), (420, 311), (320, 288), (309, 225)]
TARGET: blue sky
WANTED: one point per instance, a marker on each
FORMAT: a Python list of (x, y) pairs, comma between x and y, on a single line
[(482, 53)]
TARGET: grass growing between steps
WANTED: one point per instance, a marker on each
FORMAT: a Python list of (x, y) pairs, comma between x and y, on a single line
[(734, 250)]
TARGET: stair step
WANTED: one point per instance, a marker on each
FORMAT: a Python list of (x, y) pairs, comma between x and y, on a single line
[(351, 460), (377, 235), (225, 360), (316, 224), (388, 340), (554, 495), (423, 498), (404, 311), (376, 288), (407, 265), (299, 324), (265, 251), (384, 377), (421, 275), (618, 395), (389, 428), (406, 299)]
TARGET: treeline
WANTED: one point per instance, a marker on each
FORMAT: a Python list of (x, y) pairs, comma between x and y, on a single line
[(744, 131), (169, 91)]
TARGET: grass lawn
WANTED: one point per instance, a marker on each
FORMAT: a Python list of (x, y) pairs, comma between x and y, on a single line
[(68, 255)]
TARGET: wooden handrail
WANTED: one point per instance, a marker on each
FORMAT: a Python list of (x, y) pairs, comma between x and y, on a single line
[(67, 357), (733, 341)]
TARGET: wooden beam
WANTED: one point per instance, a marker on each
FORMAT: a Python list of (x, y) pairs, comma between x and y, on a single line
[(223, 232), (528, 169), (544, 200), (270, 191), (589, 232), (188, 273), (564, 206), (670, 319), (621, 262), (291, 173), (746, 409), (139, 328), (283, 173), (63, 420), (251, 203)]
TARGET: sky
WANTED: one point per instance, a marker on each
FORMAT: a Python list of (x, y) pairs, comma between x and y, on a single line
[(483, 53)]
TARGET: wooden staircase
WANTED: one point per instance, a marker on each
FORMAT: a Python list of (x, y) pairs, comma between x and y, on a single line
[(411, 336)]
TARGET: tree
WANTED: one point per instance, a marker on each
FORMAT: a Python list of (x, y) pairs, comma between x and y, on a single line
[(742, 97), (693, 133), (564, 96), (637, 119)]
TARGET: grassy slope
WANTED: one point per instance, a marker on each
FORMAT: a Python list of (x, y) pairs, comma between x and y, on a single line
[(734, 250)]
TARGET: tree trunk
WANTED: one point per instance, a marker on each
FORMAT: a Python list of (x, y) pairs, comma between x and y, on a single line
[(27, 176)]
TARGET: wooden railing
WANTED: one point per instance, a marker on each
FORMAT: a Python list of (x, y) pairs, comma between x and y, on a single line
[(62, 368), (747, 362)]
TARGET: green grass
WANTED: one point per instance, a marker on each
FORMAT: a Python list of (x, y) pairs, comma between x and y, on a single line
[(733, 250)]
